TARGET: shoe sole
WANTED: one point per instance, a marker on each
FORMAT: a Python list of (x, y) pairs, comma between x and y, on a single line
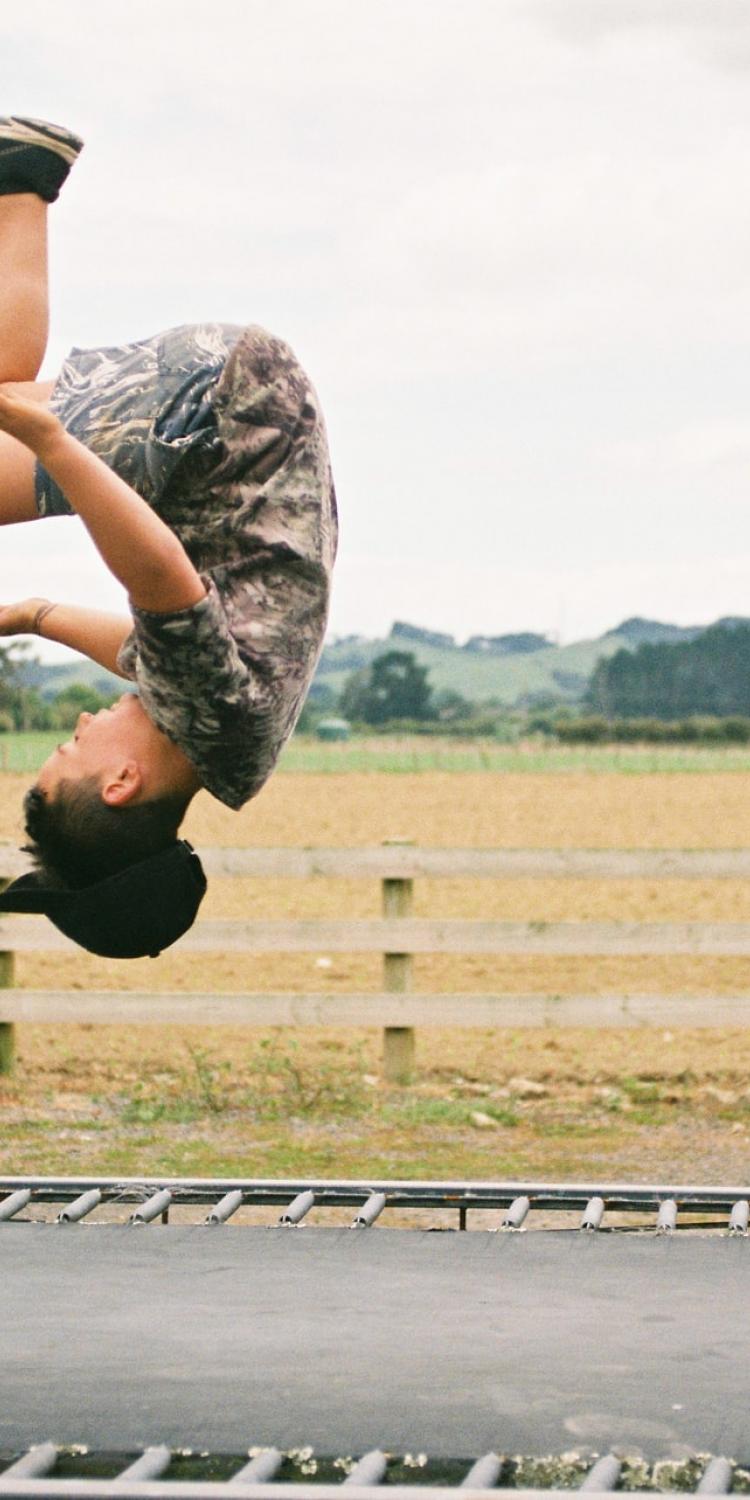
[(23, 133)]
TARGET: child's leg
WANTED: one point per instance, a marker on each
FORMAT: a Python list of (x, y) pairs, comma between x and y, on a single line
[(35, 158), (17, 489), (24, 313), (24, 302)]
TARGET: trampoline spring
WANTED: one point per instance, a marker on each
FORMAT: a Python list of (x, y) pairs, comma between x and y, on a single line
[(152, 1463), (80, 1207), (717, 1478), (157, 1204), (667, 1217), (295, 1211), (13, 1205), (604, 1475), (368, 1213), (370, 1469), (738, 1219), (515, 1215), (225, 1207), (260, 1470), (593, 1214), (34, 1464), (484, 1474)]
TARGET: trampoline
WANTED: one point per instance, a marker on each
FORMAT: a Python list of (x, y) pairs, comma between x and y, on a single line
[(220, 1336)]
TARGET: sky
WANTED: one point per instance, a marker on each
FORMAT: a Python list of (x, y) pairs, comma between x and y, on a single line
[(509, 240)]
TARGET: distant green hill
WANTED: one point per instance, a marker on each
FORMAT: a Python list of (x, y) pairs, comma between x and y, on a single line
[(49, 680), (513, 675), (508, 669)]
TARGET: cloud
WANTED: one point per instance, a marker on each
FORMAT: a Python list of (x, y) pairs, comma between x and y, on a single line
[(509, 241), (715, 34), (578, 602)]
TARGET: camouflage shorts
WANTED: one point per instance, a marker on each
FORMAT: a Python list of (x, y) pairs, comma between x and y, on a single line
[(142, 407)]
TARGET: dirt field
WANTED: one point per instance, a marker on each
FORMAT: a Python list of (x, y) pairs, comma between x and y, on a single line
[(565, 1104)]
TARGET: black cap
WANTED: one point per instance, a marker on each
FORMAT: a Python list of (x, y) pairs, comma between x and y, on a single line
[(139, 911)]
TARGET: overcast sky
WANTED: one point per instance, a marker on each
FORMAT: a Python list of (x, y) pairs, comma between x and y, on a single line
[(509, 240)]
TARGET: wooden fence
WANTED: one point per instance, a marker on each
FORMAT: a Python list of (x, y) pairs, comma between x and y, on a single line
[(397, 936)]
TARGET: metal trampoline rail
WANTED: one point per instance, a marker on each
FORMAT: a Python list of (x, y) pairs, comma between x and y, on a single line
[(517, 1203), (142, 1479)]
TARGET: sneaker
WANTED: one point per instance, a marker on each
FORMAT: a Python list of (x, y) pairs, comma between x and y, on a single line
[(35, 157)]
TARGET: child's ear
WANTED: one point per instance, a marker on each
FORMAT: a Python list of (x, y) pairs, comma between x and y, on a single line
[(121, 788)]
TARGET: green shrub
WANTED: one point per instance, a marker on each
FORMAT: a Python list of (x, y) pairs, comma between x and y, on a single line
[(593, 730), (699, 729)]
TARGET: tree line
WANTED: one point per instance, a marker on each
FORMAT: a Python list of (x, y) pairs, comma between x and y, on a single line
[(684, 690), (24, 708), (707, 675)]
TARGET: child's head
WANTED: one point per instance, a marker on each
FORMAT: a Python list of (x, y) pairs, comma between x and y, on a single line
[(102, 821), (117, 757)]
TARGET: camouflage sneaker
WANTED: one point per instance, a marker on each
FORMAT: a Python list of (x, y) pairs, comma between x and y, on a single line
[(35, 157)]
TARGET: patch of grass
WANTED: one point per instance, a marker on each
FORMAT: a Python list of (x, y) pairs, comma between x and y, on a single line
[(286, 1085), (409, 754), (575, 1130), (25, 753), (414, 1112), (278, 1082), (309, 1104), (646, 1116), (641, 1090), (198, 1090), (142, 1108)]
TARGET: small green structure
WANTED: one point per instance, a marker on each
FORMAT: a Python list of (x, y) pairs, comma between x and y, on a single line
[(333, 729)]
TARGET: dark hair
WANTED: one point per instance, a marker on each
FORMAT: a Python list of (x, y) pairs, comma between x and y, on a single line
[(77, 839)]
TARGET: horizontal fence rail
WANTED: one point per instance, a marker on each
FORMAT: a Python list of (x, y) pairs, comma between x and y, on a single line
[(398, 936), (376, 1008), (422, 935), (404, 862)]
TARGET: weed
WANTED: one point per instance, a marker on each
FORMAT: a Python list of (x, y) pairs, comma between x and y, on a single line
[(286, 1084), (646, 1116), (641, 1090), (210, 1094), (612, 1103), (193, 1094), (148, 1109)]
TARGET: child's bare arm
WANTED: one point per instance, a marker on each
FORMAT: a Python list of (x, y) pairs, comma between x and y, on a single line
[(136, 545), (93, 632)]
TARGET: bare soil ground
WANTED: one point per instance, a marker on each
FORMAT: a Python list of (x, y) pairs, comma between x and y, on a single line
[(554, 1104)]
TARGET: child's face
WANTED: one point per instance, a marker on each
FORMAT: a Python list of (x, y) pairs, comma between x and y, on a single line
[(98, 743)]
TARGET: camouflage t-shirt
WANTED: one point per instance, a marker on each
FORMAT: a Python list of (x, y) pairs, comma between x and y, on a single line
[(219, 429)]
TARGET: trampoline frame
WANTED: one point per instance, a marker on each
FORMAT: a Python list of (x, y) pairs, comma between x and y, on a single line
[(154, 1197)]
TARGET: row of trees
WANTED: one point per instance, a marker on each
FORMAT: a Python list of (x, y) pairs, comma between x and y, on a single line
[(630, 695), (23, 707), (692, 686), (707, 675)]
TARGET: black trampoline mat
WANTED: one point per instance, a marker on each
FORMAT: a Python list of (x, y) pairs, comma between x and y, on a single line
[(451, 1344)]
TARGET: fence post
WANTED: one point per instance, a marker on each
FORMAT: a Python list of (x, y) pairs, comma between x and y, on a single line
[(7, 1030), (398, 1041)]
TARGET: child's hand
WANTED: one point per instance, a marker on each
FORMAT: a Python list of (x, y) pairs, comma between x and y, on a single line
[(30, 422)]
